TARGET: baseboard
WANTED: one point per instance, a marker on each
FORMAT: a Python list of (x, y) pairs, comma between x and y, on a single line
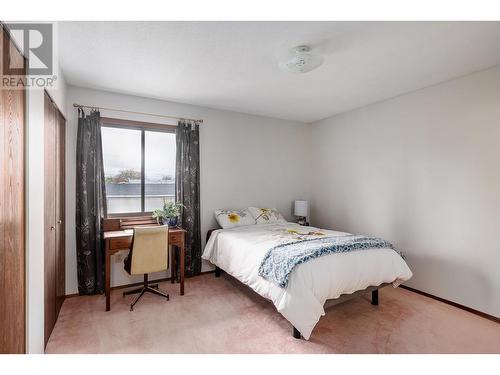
[(454, 304), (140, 283)]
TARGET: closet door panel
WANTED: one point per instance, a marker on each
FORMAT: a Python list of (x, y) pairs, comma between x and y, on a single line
[(54, 197), (60, 212), (12, 217), (49, 217)]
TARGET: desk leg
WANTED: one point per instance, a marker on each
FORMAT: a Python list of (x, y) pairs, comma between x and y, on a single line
[(182, 254), (173, 266), (107, 275)]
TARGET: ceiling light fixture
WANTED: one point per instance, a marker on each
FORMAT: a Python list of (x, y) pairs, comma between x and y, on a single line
[(300, 60)]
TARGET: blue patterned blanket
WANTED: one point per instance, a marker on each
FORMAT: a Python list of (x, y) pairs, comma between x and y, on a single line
[(280, 260)]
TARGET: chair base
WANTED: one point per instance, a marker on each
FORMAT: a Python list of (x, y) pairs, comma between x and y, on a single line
[(153, 288), (138, 290)]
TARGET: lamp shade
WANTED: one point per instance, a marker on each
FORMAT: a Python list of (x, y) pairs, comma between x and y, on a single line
[(301, 208)]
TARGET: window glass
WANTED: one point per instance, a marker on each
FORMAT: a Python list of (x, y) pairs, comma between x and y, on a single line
[(122, 169), (159, 169)]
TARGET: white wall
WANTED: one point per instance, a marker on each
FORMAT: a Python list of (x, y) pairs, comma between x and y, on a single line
[(34, 216), (423, 171), (245, 160)]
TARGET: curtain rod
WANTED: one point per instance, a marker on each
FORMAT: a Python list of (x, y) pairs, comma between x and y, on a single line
[(137, 113)]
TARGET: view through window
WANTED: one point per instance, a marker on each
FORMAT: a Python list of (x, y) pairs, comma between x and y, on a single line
[(123, 150)]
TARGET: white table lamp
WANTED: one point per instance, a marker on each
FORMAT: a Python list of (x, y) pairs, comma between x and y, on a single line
[(301, 209)]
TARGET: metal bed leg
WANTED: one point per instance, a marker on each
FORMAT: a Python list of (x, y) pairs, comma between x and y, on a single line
[(296, 333), (375, 297), (217, 272)]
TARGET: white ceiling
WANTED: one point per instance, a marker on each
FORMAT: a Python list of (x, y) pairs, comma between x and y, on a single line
[(234, 65)]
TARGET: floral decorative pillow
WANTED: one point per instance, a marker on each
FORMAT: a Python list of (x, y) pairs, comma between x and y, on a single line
[(233, 218), (266, 215)]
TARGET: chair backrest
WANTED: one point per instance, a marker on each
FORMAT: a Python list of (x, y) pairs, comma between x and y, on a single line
[(149, 249)]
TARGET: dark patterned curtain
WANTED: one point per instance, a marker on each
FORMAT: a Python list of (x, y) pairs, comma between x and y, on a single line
[(187, 188), (90, 204)]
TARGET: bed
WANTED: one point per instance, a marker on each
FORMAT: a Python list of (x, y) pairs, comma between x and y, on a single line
[(312, 285)]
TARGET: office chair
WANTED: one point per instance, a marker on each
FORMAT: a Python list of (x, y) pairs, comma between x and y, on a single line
[(149, 253)]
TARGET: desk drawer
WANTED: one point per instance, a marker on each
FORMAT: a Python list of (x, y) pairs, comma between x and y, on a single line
[(120, 243), (176, 239)]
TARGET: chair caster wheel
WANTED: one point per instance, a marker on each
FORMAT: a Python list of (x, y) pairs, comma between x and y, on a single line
[(168, 298), (131, 308)]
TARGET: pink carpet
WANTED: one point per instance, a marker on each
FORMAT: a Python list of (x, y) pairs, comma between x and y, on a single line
[(218, 315)]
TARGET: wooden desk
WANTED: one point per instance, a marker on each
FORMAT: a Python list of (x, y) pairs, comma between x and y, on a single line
[(118, 240)]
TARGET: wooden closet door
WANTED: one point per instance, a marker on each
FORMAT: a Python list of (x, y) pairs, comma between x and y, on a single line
[(54, 196), (12, 217), (49, 216), (60, 212)]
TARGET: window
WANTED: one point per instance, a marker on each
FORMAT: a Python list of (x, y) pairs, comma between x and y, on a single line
[(139, 165)]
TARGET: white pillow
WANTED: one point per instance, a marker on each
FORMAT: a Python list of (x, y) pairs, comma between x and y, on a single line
[(234, 218), (266, 215)]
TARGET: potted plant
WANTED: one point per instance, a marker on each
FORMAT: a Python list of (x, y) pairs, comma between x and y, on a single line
[(168, 214)]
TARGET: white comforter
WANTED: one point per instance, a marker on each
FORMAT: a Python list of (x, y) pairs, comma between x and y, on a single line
[(239, 251)]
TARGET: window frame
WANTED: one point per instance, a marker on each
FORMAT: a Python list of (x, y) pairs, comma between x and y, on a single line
[(109, 122)]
